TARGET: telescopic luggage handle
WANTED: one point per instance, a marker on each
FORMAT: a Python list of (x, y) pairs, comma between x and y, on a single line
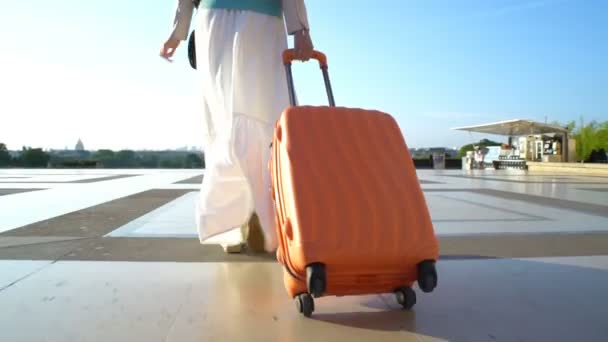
[(289, 56)]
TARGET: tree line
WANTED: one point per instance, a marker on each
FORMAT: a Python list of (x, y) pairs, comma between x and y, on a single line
[(105, 158), (29, 157), (591, 138)]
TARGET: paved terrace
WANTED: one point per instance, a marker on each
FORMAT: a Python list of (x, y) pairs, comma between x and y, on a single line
[(112, 255)]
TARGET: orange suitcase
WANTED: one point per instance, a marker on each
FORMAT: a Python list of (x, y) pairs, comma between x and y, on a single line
[(351, 215)]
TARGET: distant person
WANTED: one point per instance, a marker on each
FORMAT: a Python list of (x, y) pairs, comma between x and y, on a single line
[(239, 44), (479, 158)]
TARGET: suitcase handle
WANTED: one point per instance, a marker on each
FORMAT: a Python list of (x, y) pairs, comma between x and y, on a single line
[(289, 56)]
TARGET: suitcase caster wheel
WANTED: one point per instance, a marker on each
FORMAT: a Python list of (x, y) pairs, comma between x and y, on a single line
[(316, 279), (406, 297), (427, 276), (305, 304)]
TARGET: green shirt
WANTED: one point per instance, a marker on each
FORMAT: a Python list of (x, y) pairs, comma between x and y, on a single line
[(269, 7)]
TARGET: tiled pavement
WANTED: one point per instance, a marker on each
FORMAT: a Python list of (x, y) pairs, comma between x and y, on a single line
[(116, 251)]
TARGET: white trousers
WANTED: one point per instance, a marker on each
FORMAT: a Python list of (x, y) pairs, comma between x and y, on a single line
[(244, 92)]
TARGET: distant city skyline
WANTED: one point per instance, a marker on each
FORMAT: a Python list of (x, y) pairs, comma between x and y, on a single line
[(178, 148), (80, 146), (67, 148)]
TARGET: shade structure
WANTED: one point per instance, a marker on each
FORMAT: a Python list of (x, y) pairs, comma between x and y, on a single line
[(517, 127)]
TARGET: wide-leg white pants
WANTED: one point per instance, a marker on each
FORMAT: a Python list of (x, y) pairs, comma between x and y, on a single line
[(244, 92)]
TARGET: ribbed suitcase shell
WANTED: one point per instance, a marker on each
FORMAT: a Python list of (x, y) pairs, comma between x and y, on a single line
[(347, 195)]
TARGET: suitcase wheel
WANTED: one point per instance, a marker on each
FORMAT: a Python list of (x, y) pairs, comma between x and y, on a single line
[(305, 304), (427, 276), (316, 280), (406, 297)]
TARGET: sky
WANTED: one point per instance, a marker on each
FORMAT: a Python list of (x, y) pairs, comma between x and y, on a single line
[(73, 69)]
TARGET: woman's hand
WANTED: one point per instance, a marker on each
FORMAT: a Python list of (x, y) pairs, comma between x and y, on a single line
[(168, 49), (303, 45)]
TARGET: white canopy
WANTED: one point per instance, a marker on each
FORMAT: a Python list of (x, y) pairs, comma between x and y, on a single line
[(517, 127)]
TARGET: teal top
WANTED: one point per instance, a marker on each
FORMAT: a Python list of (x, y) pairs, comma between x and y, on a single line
[(269, 7)]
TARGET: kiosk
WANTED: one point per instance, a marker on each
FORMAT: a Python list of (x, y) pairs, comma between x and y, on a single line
[(528, 141)]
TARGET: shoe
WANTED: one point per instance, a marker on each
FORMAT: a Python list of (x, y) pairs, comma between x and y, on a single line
[(233, 249), (252, 235), (255, 235)]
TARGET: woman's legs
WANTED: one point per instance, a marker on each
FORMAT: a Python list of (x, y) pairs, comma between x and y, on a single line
[(236, 191), (225, 201), (252, 148), (243, 81)]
